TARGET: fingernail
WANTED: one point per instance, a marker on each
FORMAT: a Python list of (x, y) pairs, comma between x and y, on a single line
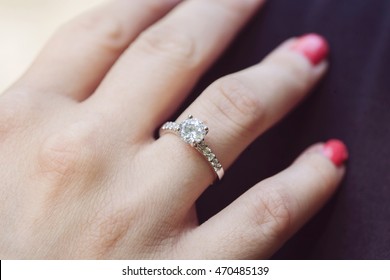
[(313, 46), (336, 151)]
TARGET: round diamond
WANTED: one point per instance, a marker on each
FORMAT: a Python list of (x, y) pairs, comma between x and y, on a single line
[(193, 131)]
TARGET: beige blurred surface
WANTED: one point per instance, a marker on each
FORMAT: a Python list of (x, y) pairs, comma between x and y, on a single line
[(25, 25)]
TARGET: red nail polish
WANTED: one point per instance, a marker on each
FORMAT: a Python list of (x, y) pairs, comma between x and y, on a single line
[(336, 151), (313, 46)]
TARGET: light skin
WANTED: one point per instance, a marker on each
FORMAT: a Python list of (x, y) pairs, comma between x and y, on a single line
[(82, 175)]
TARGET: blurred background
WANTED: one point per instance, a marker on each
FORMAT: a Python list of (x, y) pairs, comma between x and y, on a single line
[(25, 25)]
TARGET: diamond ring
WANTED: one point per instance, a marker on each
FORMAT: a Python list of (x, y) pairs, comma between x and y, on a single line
[(193, 132)]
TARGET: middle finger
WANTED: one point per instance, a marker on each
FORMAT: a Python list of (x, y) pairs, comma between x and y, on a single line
[(162, 65)]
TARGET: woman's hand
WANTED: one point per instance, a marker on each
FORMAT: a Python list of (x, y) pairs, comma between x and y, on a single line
[(81, 173)]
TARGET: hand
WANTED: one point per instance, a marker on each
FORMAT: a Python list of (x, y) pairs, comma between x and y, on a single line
[(81, 173)]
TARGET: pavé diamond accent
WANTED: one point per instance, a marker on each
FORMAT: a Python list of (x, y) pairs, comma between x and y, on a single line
[(193, 132), (171, 126)]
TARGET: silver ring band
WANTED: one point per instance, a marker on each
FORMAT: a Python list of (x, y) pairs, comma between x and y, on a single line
[(193, 131)]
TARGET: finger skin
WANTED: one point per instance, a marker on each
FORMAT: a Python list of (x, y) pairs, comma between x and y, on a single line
[(240, 107), (160, 68), (237, 109), (262, 219), (82, 51)]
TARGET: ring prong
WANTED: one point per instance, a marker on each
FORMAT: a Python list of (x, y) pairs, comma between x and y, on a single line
[(193, 133)]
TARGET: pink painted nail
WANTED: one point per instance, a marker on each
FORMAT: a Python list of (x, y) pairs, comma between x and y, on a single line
[(313, 46), (336, 151)]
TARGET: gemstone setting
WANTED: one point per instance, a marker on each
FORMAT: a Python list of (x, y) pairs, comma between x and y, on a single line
[(192, 131)]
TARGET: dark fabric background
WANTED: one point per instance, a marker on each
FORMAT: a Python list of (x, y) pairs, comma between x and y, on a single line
[(352, 103)]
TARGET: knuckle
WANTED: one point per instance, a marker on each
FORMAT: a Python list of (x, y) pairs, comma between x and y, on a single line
[(169, 42), (107, 228), (109, 33), (71, 151), (237, 103), (59, 156), (273, 212)]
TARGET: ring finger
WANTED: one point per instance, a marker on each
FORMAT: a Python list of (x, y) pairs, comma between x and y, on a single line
[(239, 107)]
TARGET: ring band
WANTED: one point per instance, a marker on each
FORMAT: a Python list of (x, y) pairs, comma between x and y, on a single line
[(193, 131)]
